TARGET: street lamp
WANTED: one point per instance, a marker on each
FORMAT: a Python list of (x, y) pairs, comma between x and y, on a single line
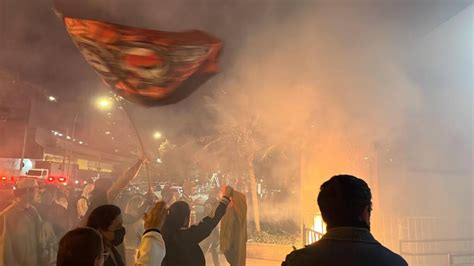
[(157, 135), (52, 98), (104, 103)]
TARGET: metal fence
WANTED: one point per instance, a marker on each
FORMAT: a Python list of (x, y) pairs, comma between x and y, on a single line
[(310, 236), (458, 259), (390, 230), (437, 251), (427, 241)]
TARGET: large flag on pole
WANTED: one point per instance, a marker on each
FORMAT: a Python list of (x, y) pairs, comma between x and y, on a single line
[(148, 67)]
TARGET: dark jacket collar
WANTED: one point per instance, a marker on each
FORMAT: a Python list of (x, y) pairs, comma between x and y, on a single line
[(349, 234)]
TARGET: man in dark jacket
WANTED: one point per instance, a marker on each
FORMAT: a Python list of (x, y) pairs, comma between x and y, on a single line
[(346, 203)]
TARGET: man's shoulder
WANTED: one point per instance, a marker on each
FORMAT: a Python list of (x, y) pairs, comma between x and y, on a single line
[(12, 208), (302, 256), (317, 251), (393, 257)]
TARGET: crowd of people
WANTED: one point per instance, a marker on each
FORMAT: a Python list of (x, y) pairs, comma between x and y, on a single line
[(108, 228), (37, 229)]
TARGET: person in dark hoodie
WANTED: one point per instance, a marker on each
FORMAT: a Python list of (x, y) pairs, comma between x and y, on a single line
[(181, 240)]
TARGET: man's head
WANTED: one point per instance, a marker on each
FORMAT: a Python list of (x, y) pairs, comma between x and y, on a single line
[(103, 184), (345, 201), (213, 193), (134, 204), (47, 194), (26, 190)]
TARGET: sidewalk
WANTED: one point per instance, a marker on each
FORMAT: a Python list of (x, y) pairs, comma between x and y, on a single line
[(255, 262), (250, 262)]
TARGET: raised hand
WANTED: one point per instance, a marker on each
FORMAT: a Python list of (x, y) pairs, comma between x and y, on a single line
[(227, 191)]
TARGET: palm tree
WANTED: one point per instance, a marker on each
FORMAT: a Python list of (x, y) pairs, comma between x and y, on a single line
[(239, 142)]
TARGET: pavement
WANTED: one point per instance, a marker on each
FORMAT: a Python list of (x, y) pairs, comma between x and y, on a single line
[(250, 262), (255, 262)]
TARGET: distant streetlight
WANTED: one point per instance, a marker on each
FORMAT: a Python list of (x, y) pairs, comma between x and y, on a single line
[(157, 135), (52, 98), (104, 103)]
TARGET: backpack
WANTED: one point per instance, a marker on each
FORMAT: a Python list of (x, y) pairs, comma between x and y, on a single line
[(47, 238)]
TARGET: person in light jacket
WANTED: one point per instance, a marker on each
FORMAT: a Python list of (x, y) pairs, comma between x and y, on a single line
[(152, 246), (22, 239)]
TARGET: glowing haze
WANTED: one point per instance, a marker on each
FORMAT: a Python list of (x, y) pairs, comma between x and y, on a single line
[(379, 89)]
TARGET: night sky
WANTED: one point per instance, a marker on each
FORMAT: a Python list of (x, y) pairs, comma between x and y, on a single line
[(35, 45)]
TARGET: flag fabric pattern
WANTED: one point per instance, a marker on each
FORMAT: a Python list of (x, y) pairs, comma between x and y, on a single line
[(148, 67)]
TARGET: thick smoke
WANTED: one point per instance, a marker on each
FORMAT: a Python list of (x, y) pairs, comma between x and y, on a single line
[(379, 89), (352, 82)]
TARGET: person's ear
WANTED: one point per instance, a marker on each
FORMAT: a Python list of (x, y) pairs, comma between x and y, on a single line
[(365, 216)]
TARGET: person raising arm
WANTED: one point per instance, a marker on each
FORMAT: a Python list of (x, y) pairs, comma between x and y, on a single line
[(152, 246)]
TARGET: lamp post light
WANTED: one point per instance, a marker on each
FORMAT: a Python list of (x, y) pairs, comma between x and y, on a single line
[(104, 103), (157, 135)]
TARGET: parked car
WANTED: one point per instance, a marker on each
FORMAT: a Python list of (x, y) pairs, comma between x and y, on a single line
[(38, 174)]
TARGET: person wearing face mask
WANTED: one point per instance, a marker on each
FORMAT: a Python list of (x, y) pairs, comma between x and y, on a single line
[(81, 247), (181, 240), (21, 241), (107, 219)]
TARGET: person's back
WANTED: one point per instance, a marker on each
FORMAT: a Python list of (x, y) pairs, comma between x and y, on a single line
[(52, 212), (20, 228), (181, 241), (345, 246), (19, 242), (345, 204)]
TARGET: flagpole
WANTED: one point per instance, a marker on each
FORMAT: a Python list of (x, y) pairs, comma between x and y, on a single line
[(140, 141)]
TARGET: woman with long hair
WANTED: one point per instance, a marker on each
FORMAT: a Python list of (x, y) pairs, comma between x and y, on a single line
[(181, 240), (107, 219), (81, 247)]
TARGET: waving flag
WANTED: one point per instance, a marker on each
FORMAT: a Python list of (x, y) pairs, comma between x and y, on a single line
[(146, 66)]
